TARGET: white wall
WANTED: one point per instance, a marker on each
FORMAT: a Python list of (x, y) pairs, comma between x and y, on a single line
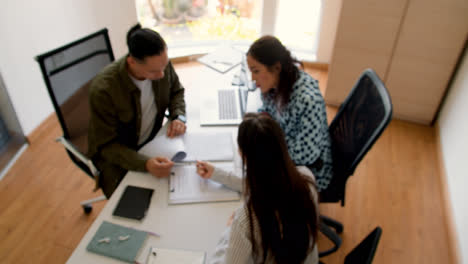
[(330, 16), (453, 128), (29, 28)]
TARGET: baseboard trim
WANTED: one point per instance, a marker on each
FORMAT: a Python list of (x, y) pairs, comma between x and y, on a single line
[(43, 126), (448, 210), (185, 59), (12, 161), (316, 65)]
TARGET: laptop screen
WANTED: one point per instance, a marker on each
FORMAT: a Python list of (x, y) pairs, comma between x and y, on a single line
[(245, 76), (245, 84)]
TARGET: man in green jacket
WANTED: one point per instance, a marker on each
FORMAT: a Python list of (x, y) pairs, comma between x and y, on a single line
[(128, 100)]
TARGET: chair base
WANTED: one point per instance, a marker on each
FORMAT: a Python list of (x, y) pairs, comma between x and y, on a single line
[(87, 205), (325, 227), (332, 223)]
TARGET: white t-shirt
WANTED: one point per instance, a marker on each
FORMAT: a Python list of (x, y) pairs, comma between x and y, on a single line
[(148, 108)]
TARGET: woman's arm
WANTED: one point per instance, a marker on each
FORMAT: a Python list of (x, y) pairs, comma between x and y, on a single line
[(229, 179), (235, 245), (305, 138)]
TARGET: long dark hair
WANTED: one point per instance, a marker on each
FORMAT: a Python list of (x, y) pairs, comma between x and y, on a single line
[(276, 194), (268, 50)]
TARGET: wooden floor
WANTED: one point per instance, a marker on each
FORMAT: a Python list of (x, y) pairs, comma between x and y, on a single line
[(396, 187)]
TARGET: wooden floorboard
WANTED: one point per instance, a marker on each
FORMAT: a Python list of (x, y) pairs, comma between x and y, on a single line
[(41, 220), (396, 186)]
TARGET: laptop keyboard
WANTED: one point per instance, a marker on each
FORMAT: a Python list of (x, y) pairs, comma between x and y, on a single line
[(227, 104)]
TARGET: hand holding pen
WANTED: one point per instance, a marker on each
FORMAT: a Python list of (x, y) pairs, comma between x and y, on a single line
[(205, 169)]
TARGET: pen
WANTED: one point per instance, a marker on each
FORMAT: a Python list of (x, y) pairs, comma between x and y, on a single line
[(188, 163), (222, 62)]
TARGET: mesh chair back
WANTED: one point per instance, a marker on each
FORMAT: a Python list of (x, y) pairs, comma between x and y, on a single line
[(365, 251), (359, 122), (67, 73)]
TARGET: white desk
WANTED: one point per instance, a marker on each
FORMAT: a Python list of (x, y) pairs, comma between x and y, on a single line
[(187, 226)]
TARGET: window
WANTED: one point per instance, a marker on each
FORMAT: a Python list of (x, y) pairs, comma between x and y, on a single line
[(297, 24), (188, 24)]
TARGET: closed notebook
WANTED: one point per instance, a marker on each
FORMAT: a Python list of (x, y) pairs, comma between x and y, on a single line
[(134, 202), (123, 243)]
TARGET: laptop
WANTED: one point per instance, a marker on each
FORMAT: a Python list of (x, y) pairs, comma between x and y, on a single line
[(227, 106)]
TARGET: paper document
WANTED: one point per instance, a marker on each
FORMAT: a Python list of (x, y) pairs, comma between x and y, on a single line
[(175, 256), (186, 186), (194, 145), (222, 59)]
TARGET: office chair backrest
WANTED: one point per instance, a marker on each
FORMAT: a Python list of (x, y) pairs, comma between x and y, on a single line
[(67, 72), (365, 251), (360, 121)]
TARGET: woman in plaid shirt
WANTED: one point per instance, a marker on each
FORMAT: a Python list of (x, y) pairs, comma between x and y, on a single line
[(292, 98)]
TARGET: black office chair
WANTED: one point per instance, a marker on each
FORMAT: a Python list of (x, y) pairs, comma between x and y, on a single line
[(67, 73), (360, 121), (364, 252)]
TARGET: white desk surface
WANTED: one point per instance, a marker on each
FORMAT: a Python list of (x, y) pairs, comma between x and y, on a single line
[(186, 226)]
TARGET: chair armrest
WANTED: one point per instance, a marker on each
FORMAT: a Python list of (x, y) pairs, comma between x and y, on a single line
[(70, 147)]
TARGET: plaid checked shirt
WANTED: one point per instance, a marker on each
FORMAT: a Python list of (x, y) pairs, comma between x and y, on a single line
[(304, 122)]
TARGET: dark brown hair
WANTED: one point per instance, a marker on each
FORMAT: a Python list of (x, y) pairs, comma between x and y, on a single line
[(268, 50), (276, 194)]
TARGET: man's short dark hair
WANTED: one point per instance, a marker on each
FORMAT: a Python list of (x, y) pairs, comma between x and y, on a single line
[(144, 42)]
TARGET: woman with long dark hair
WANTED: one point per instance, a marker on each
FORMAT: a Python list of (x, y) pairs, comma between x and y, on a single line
[(278, 222), (292, 98)]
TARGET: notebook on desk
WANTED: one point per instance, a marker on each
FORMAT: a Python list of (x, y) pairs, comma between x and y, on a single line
[(134, 202), (227, 105), (116, 241)]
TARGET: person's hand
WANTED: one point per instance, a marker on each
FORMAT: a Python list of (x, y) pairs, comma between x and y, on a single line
[(229, 222), (204, 169), (176, 128), (159, 166)]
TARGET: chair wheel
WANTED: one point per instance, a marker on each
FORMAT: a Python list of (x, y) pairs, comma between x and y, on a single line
[(87, 208)]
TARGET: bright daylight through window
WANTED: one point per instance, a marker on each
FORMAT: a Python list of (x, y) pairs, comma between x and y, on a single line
[(199, 23)]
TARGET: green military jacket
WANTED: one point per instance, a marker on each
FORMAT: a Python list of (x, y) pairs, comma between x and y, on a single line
[(116, 116)]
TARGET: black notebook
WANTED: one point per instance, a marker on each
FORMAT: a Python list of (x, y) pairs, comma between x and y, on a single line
[(134, 202)]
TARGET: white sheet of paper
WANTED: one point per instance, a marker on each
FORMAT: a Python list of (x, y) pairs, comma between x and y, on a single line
[(163, 146), (223, 59), (175, 256), (186, 186), (207, 146)]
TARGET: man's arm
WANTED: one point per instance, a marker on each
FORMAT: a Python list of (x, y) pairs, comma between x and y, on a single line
[(177, 101), (176, 105), (103, 134)]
